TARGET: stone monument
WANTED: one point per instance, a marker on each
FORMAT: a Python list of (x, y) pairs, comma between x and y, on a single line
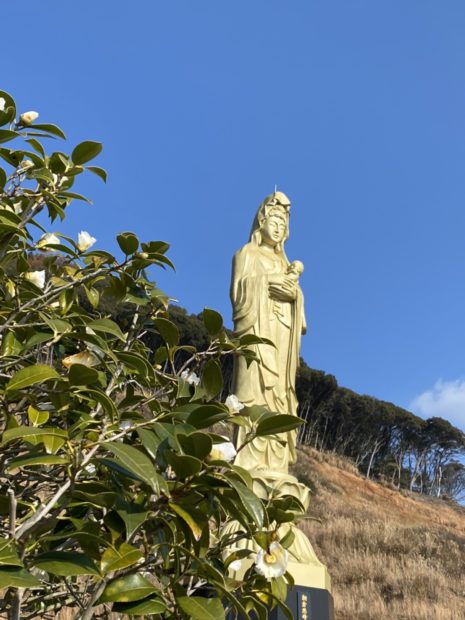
[(267, 301)]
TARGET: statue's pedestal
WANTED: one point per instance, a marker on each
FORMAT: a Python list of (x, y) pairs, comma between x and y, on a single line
[(310, 598)]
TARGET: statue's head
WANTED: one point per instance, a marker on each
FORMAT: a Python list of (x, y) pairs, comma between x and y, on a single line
[(271, 224)]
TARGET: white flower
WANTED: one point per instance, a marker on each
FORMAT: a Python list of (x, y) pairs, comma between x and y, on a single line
[(272, 563), (46, 240), (36, 277), (222, 452), (55, 178), (234, 404), (190, 377), (2, 104), (25, 164), (235, 565), (90, 469), (27, 118), (85, 241), (126, 424)]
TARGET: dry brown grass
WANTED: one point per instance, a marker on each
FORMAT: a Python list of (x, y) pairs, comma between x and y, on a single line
[(391, 555)]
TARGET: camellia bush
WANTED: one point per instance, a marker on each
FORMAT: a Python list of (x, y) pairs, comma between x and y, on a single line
[(117, 481)]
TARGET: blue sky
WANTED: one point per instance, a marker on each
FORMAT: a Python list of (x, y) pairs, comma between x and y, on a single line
[(356, 109)]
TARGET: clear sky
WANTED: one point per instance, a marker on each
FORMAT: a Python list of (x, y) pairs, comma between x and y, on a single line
[(356, 109)]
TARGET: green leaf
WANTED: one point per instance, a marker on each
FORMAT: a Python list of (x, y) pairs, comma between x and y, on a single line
[(140, 608), (100, 397), (206, 415), (26, 432), (127, 589), (100, 172), (212, 378), (150, 441), (12, 577), (196, 444), (128, 242), (213, 321), (107, 326), (8, 555), (136, 462), (250, 501), (82, 375), (116, 559), (6, 135), (30, 376), (249, 339), (85, 151), (168, 331), (133, 516), (199, 608), (3, 178), (278, 423), (37, 417), (37, 459), (66, 564), (36, 145), (49, 128), (184, 466), (195, 528), (11, 345)]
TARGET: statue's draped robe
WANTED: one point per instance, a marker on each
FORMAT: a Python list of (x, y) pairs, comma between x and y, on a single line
[(271, 382)]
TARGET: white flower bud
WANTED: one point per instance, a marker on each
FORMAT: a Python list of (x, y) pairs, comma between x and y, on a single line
[(190, 377), (234, 404), (85, 241), (36, 277), (27, 118), (222, 452), (25, 164), (46, 240)]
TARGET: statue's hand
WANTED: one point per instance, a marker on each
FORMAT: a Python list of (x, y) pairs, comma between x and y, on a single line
[(283, 288)]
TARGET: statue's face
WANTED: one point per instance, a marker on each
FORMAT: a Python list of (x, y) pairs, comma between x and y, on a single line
[(273, 230)]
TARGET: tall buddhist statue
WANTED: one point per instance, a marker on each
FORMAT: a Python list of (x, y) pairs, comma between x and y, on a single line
[(268, 302)]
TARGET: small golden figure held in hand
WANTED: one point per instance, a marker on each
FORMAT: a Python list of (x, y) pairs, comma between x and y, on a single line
[(268, 302)]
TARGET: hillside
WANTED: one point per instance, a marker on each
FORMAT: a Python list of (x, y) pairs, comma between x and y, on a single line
[(391, 555)]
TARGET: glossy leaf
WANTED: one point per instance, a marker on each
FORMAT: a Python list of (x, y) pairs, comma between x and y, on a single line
[(168, 331), (250, 501), (85, 151), (145, 607), (100, 172), (15, 577), (128, 242), (278, 423), (126, 589), (36, 416), (37, 459), (213, 321), (66, 564), (212, 378), (117, 559), (79, 374), (107, 326), (136, 462), (30, 376), (8, 554), (199, 608), (206, 415)]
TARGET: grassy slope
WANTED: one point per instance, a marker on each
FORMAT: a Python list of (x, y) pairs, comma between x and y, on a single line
[(391, 555)]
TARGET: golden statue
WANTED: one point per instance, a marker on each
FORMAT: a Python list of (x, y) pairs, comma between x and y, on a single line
[(268, 302)]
